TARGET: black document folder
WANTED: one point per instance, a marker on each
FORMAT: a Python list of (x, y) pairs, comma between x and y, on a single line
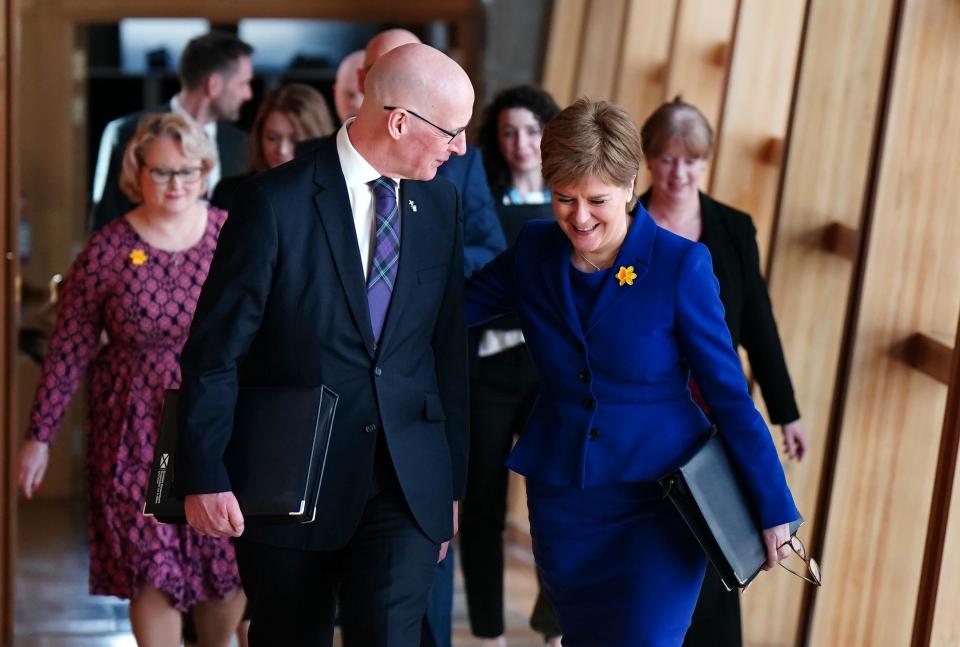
[(275, 458), (708, 495)]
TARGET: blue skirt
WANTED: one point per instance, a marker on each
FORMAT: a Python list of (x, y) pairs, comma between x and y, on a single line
[(618, 563)]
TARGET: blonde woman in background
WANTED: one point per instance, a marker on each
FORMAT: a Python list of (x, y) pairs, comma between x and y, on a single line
[(137, 280)]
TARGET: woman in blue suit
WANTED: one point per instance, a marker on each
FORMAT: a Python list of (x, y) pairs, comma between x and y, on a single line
[(617, 314)]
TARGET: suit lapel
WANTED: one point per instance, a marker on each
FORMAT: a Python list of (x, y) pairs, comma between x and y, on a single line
[(333, 206), (635, 252), (555, 268), (414, 248)]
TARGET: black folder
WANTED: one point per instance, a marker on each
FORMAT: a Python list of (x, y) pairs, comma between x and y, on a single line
[(708, 495), (275, 458)]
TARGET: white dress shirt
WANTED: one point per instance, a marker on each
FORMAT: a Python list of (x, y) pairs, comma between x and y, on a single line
[(357, 172), (210, 129)]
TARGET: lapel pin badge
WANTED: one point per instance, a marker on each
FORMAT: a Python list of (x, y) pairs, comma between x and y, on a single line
[(626, 275), (413, 206)]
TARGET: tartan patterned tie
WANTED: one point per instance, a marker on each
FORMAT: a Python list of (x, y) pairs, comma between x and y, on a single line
[(386, 253)]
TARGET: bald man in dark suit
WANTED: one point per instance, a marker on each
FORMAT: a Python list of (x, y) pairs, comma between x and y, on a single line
[(345, 268)]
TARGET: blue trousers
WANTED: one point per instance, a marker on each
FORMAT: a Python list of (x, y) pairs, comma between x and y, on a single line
[(437, 623)]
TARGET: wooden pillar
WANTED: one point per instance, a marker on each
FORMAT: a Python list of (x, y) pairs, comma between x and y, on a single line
[(893, 419), (700, 57), (645, 56), (826, 166), (936, 621), (8, 310), (755, 110), (600, 53), (563, 50)]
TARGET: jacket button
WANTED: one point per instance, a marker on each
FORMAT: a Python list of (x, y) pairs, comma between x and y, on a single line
[(583, 377), (370, 428), (589, 404), (378, 371), (580, 347), (594, 434)]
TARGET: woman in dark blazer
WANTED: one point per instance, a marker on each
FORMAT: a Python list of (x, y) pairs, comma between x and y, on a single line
[(617, 313), (678, 141)]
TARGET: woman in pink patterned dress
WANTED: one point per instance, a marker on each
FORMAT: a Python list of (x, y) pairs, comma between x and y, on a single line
[(137, 280)]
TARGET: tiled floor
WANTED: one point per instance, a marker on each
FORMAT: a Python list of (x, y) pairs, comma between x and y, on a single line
[(53, 609)]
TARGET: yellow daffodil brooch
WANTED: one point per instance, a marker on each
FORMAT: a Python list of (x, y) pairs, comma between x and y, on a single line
[(139, 257), (626, 275)]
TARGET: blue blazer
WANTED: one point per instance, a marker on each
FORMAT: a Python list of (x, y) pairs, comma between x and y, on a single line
[(482, 235), (614, 404)]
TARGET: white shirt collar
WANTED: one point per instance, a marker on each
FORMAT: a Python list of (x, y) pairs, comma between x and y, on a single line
[(209, 128), (356, 170)]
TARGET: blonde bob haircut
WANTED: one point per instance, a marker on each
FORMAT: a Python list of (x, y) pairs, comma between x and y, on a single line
[(592, 138), (677, 120), (187, 134)]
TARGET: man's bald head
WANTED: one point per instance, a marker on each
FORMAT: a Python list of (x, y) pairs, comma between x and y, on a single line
[(422, 78), (380, 45), (430, 100), (346, 87)]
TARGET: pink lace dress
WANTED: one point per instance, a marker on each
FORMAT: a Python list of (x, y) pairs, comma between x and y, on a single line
[(144, 299)]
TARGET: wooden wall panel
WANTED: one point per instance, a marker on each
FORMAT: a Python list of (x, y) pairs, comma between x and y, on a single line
[(8, 310), (563, 49), (825, 178), (893, 417), (218, 10), (52, 160), (700, 56), (937, 621), (600, 54), (641, 84), (756, 108), (52, 183)]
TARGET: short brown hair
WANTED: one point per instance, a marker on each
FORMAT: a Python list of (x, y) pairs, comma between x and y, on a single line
[(591, 138), (192, 140), (304, 106), (677, 120), (215, 52)]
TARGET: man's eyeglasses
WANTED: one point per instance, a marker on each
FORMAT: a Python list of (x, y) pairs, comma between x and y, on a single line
[(163, 176), (813, 568), (452, 134)]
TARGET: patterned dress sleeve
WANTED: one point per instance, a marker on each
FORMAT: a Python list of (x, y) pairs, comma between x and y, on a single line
[(75, 339)]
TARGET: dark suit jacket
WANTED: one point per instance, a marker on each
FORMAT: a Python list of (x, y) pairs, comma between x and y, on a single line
[(614, 406), (482, 236), (730, 236), (231, 147), (227, 189), (285, 304)]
